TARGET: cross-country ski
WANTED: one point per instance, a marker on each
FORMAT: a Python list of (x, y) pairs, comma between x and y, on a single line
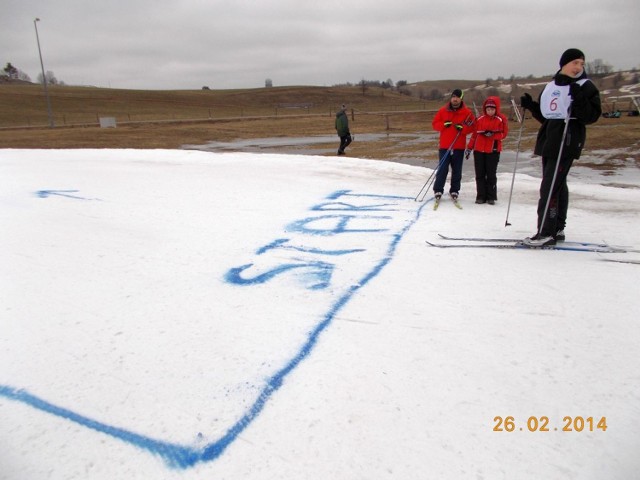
[(613, 260), (499, 239), (521, 245), (565, 243), (438, 199)]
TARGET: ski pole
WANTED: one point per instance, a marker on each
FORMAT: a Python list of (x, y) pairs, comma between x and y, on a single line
[(555, 171), (516, 111), (515, 165), (431, 178)]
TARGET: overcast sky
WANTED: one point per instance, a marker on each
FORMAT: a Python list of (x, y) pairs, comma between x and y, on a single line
[(186, 44)]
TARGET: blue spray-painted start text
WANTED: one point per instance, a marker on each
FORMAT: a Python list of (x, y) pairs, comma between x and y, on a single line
[(367, 225), (356, 219)]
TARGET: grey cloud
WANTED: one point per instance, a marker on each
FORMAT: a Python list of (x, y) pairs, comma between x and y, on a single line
[(179, 45)]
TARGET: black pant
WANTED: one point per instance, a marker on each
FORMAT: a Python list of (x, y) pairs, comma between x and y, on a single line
[(486, 166), (556, 217), (345, 140)]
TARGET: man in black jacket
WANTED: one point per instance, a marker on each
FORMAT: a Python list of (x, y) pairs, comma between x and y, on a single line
[(342, 128), (566, 105)]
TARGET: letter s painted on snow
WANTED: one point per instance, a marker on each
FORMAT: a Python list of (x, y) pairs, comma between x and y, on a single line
[(319, 275)]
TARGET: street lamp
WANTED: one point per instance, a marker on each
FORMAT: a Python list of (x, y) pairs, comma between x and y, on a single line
[(44, 77)]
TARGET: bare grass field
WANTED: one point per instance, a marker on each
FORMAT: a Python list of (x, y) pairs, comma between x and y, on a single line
[(173, 119)]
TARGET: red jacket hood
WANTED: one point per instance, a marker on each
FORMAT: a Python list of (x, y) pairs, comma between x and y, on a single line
[(495, 100)]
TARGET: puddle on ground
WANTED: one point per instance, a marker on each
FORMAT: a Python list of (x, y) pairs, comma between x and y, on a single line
[(314, 145), (621, 174)]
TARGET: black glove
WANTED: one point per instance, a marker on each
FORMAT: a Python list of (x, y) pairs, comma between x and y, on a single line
[(448, 124), (467, 153), (526, 101), (574, 91), (488, 133), (458, 126)]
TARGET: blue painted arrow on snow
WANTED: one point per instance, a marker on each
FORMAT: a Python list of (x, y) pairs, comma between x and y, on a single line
[(61, 193)]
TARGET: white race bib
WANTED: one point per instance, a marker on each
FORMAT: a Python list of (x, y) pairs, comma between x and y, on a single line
[(555, 100)]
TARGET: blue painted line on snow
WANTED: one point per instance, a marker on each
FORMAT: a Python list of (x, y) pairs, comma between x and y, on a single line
[(183, 457), (174, 455), (61, 193)]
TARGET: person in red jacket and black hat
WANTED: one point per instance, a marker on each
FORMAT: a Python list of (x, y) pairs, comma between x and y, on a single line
[(566, 105), (486, 143), (454, 121)]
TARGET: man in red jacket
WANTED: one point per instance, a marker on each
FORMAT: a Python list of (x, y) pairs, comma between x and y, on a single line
[(454, 121)]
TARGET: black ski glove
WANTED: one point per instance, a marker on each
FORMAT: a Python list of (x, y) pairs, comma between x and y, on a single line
[(526, 101), (448, 124), (458, 126)]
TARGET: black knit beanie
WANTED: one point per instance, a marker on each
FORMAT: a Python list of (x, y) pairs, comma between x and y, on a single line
[(570, 55)]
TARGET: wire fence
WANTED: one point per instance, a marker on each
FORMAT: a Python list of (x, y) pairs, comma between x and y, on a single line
[(389, 113), (226, 113)]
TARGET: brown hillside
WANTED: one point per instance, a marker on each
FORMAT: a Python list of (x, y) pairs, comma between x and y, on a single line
[(171, 119)]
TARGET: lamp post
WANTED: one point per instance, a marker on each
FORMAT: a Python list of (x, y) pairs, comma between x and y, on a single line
[(44, 77)]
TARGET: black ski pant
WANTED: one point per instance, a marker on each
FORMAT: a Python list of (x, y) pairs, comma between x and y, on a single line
[(556, 217), (345, 141), (486, 166)]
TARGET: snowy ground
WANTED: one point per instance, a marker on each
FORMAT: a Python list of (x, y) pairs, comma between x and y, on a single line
[(194, 315)]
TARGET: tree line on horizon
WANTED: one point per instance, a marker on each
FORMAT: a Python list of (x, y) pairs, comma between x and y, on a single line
[(597, 68), (13, 73)]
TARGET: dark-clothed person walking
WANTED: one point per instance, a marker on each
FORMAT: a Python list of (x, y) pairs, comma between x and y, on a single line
[(342, 128)]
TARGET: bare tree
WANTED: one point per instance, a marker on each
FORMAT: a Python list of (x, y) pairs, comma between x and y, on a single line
[(598, 67), (434, 94), (51, 78), (363, 84)]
